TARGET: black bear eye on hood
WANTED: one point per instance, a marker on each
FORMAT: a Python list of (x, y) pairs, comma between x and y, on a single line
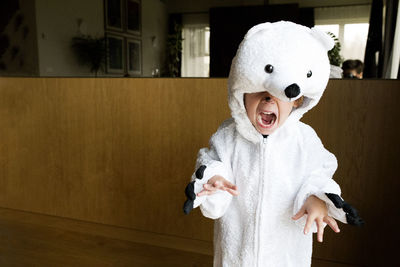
[(269, 68)]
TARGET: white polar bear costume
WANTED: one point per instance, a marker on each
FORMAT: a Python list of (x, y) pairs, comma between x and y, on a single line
[(274, 174)]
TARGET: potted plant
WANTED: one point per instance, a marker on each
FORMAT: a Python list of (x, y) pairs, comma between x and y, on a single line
[(174, 50), (335, 58), (90, 51)]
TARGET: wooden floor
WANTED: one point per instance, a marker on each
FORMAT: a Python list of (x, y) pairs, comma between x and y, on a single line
[(29, 239)]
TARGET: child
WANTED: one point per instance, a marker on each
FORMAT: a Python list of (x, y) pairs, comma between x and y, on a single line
[(353, 68), (265, 169)]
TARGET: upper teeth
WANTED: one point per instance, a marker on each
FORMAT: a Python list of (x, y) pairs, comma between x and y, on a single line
[(267, 113)]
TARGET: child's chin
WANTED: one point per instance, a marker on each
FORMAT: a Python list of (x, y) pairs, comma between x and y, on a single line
[(266, 131)]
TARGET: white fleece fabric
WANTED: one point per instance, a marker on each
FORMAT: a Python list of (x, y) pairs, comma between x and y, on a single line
[(276, 174)]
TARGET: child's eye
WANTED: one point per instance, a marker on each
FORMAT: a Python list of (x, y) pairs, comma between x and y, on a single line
[(269, 68), (309, 74)]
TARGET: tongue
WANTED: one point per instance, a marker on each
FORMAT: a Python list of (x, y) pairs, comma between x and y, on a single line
[(268, 118)]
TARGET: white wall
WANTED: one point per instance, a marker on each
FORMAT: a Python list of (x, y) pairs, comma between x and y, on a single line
[(154, 34), (57, 23)]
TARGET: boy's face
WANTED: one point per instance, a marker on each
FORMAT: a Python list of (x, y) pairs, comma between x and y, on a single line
[(266, 112), (352, 73)]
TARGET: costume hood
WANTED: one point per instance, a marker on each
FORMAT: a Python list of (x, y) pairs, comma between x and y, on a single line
[(299, 60)]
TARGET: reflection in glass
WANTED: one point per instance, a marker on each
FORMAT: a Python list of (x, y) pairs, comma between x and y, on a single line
[(333, 28), (352, 37), (115, 54), (133, 16), (114, 18), (134, 58), (355, 40), (196, 51)]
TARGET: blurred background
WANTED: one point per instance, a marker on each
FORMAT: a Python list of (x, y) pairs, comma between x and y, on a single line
[(180, 38)]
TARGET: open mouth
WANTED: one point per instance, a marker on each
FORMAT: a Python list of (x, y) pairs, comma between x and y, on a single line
[(266, 119)]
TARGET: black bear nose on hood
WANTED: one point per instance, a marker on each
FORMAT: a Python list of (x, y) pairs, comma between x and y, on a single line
[(292, 90)]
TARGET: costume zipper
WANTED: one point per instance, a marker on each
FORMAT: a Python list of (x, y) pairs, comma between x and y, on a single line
[(257, 231)]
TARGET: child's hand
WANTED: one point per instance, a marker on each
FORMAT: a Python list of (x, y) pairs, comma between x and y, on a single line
[(218, 183), (318, 212)]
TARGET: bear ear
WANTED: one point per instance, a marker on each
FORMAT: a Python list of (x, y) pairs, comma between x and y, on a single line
[(258, 28), (326, 40)]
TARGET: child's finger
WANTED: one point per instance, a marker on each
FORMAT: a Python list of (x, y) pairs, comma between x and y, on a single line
[(228, 184), (218, 185), (210, 187), (207, 190), (310, 220), (233, 192), (299, 214), (320, 232), (332, 223), (202, 193)]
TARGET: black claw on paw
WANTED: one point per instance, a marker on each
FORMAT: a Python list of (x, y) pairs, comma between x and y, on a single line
[(200, 172), (189, 191), (348, 208), (352, 216), (188, 206), (191, 196), (336, 200), (354, 220)]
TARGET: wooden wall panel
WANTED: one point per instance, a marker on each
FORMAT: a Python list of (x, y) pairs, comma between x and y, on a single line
[(120, 152), (359, 122), (114, 151)]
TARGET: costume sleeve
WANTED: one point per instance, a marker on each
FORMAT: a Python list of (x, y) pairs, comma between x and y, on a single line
[(210, 161), (321, 165)]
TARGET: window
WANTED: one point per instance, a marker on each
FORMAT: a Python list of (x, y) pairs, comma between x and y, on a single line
[(195, 46), (195, 51), (352, 37), (355, 40), (349, 24)]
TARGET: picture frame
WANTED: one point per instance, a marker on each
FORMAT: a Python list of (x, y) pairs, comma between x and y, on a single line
[(115, 59), (133, 17), (122, 22), (114, 15), (134, 56)]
